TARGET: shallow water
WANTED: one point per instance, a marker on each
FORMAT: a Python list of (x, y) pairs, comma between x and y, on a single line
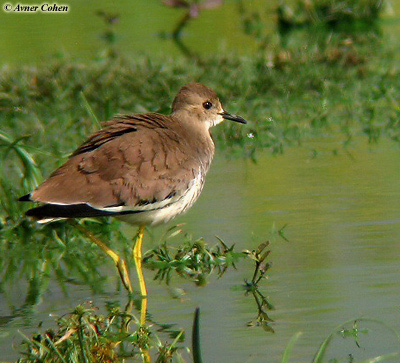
[(343, 226), (144, 27), (341, 262)]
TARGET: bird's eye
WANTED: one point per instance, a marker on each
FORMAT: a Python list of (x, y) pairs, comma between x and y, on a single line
[(207, 105)]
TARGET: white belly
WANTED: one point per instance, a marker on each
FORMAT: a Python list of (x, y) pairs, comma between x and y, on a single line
[(163, 212)]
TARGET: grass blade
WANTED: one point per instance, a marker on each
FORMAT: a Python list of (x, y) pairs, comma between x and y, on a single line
[(196, 337), (289, 347), (90, 111), (382, 358)]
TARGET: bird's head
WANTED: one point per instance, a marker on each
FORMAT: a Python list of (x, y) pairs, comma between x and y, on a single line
[(198, 103)]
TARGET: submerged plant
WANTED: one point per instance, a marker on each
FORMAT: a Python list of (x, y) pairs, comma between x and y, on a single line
[(193, 9), (193, 260), (354, 333), (259, 256), (109, 35)]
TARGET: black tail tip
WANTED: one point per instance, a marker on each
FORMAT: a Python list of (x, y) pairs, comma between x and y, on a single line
[(25, 198), (32, 213)]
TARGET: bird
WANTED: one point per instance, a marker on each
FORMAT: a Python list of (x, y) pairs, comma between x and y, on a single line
[(143, 169)]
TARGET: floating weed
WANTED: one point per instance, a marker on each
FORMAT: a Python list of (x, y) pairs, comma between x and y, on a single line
[(259, 256), (194, 260), (343, 331), (281, 233), (263, 305), (354, 333)]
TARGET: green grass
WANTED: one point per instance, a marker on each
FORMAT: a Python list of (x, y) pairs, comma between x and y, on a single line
[(342, 15), (289, 95)]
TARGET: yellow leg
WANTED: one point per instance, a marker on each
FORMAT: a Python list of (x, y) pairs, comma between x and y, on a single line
[(143, 313), (143, 330), (128, 311), (119, 262), (127, 318), (137, 256), (146, 356)]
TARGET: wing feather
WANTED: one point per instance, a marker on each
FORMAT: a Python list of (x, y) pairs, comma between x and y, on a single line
[(133, 161)]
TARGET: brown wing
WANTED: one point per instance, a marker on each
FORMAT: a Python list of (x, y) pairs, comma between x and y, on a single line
[(120, 125), (134, 161)]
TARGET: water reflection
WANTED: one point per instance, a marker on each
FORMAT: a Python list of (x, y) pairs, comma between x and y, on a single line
[(83, 35)]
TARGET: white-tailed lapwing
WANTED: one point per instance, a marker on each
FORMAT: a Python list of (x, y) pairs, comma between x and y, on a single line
[(143, 168)]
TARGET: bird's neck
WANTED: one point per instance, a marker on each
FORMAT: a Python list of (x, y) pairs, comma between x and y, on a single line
[(196, 134)]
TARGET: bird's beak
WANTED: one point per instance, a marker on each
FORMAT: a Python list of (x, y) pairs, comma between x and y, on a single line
[(232, 117)]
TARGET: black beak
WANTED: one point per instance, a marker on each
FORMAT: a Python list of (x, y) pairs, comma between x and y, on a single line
[(229, 116)]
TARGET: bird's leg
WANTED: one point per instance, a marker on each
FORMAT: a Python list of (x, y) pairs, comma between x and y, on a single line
[(143, 311), (128, 316), (119, 262), (143, 332), (137, 256)]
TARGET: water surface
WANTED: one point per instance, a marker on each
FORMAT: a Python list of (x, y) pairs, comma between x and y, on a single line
[(36, 37), (341, 262)]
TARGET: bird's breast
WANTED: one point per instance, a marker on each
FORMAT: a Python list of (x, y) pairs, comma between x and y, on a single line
[(163, 212)]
